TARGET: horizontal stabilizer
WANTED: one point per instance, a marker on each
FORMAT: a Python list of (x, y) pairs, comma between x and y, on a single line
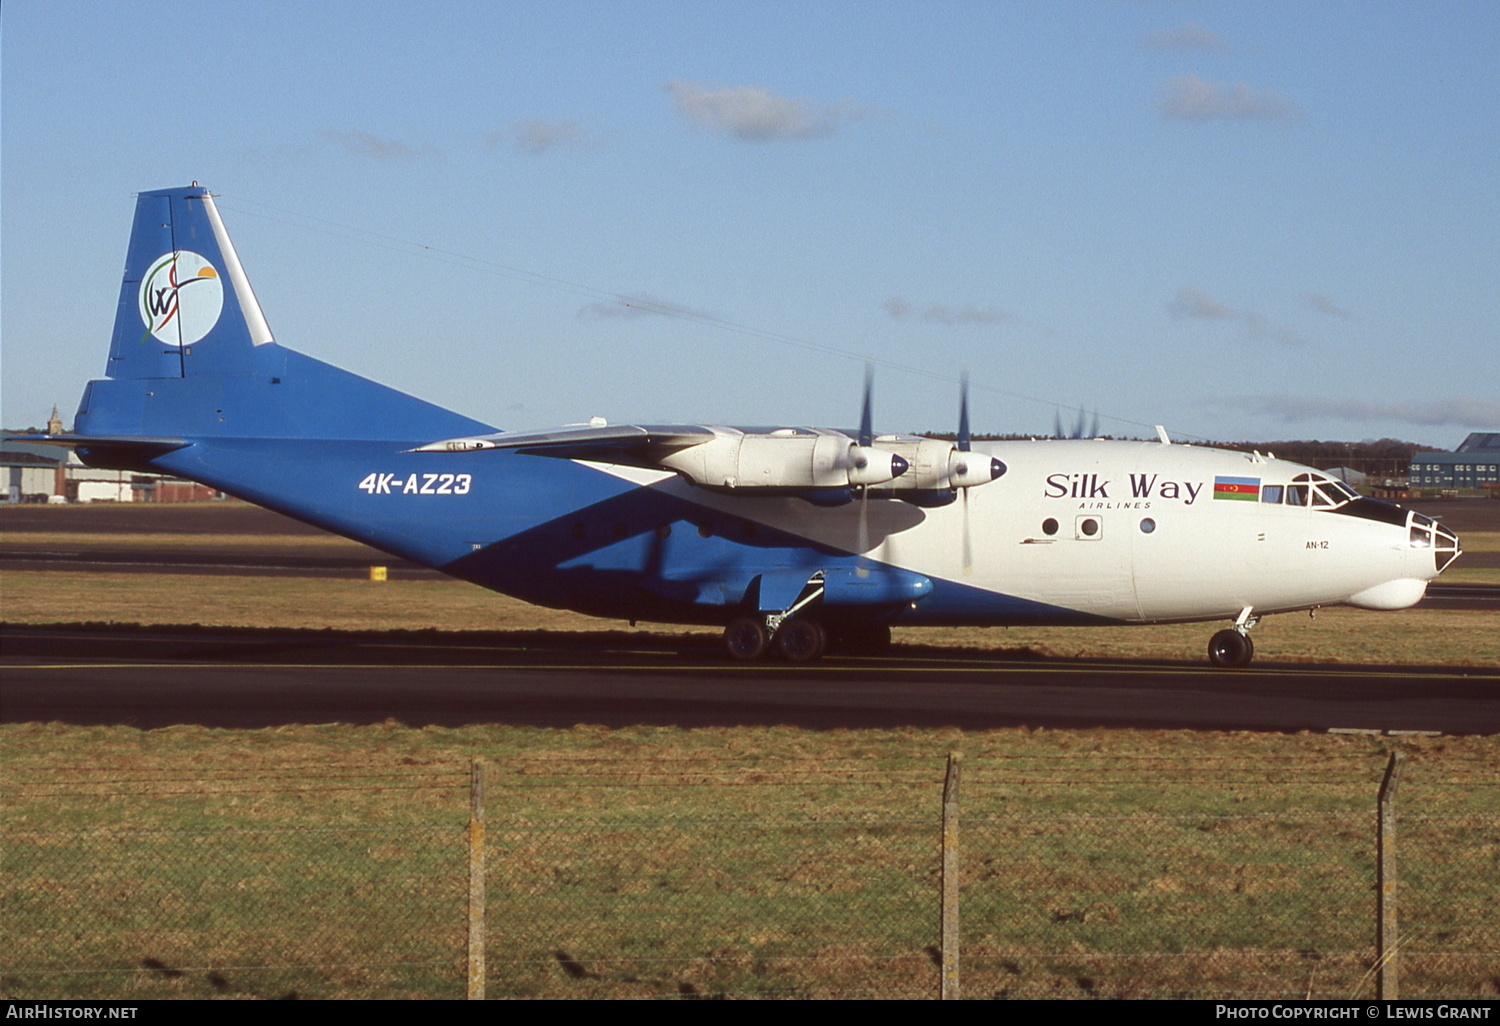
[(111, 452), (135, 444)]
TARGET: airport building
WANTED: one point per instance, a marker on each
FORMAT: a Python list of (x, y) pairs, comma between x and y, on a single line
[(57, 475), (1474, 465), (31, 472)]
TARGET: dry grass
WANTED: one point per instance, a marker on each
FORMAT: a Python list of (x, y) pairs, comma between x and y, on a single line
[(156, 541), (1413, 637)]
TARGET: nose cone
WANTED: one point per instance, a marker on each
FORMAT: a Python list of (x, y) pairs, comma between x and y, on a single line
[(1446, 548), (1423, 532)]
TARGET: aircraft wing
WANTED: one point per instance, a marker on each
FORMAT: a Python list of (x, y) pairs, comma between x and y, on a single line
[(817, 463), (644, 444)]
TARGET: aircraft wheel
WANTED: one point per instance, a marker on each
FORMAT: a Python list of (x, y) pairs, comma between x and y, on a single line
[(802, 641), (1230, 649), (746, 638)]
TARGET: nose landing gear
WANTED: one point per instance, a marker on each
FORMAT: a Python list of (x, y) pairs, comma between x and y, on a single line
[(1232, 648)]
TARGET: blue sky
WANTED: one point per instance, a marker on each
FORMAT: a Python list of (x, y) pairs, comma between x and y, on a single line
[(1269, 220)]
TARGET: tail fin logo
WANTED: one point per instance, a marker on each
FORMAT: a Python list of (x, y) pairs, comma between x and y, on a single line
[(181, 298)]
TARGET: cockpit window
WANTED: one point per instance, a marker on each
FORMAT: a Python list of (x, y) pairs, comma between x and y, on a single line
[(1270, 493), (1322, 492)]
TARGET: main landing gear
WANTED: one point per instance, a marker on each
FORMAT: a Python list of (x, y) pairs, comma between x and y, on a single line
[(800, 639), (1232, 648)]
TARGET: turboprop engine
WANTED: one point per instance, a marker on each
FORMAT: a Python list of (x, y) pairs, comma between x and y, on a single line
[(938, 466), (787, 459)]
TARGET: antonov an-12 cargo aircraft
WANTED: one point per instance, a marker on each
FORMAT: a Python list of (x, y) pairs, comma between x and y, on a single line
[(793, 538)]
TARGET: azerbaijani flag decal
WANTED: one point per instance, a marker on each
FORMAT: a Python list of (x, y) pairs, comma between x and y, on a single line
[(1245, 488)]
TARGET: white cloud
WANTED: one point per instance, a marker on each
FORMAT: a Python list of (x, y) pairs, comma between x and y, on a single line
[(756, 114), (537, 135), (364, 144), (1191, 98), (637, 305), (1324, 304), (1191, 36), (1258, 329), (1192, 301), (1462, 411), (938, 313)]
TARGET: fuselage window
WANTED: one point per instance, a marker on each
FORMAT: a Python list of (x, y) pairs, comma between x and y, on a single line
[(1148, 525), (1049, 526), (1270, 493)]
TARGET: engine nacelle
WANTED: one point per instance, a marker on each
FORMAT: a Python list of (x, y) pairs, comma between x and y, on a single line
[(967, 469), (871, 466), (937, 466), (786, 460)]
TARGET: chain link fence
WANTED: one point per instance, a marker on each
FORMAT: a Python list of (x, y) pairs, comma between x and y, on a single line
[(696, 877)]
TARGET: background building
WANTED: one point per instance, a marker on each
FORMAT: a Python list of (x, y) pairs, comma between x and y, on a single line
[(1473, 465), (47, 473)]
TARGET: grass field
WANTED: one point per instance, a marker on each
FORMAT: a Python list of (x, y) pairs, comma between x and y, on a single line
[(330, 861)]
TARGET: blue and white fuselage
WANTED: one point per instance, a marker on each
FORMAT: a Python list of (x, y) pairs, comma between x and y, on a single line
[(793, 533)]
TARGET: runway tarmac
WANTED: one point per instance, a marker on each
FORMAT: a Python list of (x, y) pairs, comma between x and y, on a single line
[(251, 679)]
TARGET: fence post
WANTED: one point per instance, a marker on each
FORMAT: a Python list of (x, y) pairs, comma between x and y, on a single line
[(950, 990), (476, 879), (1387, 986)]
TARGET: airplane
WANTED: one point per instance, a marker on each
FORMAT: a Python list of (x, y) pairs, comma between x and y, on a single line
[(792, 539)]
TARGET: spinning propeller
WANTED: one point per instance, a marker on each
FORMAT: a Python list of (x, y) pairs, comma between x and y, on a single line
[(963, 444), (941, 471)]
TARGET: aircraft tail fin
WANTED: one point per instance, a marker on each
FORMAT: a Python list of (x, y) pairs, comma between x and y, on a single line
[(192, 354), (185, 302)]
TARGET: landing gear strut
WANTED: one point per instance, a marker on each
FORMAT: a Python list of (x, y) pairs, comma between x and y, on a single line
[(799, 639), (1232, 648)]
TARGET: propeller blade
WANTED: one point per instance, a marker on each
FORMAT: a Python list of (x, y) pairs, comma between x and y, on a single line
[(963, 412), (1057, 428), (866, 414), (1078, 428), (864, 532), (968, 550)]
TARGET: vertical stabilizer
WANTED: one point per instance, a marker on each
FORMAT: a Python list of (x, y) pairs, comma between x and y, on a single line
[(192, 356), (186, 305)]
